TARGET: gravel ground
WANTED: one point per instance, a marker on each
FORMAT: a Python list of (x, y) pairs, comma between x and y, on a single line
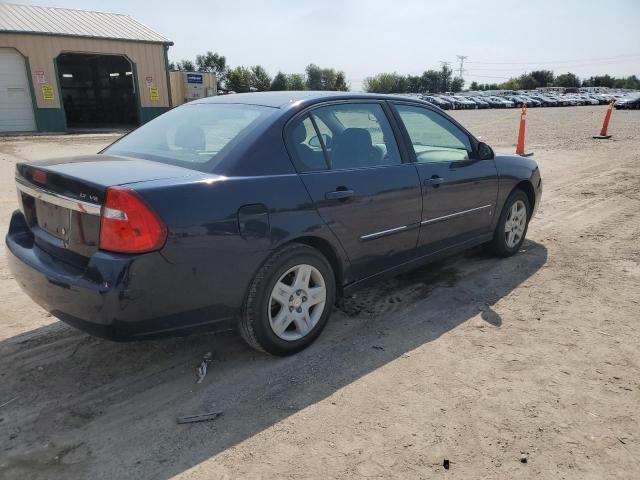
[(483, 362)]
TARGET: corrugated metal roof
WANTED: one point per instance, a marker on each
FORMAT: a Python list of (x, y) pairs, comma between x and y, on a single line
[(76, 23)]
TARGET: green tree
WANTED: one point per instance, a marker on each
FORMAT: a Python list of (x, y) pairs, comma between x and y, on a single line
[(279, 82), (430, 82), (239, 80), (340, 83), (456, 84), (632, 82), (599, 81), (474, 86), (296, 81), (386, 83), (214, 63), (325, 78), (489, 86), (567, 80), (446, 75), (328, 79), (314, 77), (260, 79), (185, 66), (526, 81), (544, 78), (511, 84), (413, 84)]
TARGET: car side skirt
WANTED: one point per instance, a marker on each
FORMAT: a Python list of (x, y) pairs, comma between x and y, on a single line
[(417, 262)]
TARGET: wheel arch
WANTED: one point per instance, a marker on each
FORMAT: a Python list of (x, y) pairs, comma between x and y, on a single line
[(527, 187), (328, 250)]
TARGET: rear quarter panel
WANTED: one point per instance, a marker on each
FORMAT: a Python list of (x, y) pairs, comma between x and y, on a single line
[(210, 260)]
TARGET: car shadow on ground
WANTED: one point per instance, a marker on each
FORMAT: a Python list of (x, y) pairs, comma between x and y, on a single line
[(89, 408)]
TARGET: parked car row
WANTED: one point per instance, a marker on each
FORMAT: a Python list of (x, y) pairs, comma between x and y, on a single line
[(631, 101), (511, 99)]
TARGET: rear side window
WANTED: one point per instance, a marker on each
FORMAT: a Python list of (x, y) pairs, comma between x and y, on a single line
[(434, 138), (354, 135), (191, 136), (307, 146)]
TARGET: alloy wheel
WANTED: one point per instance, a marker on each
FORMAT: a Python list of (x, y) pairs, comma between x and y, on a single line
[(297, 302), (515, 224)]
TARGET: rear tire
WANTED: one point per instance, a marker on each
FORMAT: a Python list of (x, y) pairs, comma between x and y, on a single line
[(289, 301), (512, 226)]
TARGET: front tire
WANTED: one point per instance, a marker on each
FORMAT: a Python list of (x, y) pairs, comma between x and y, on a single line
[(289, 301), (512, 225)]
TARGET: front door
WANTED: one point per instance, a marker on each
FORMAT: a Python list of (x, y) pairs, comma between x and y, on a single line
[(459, 192), (350, 164)]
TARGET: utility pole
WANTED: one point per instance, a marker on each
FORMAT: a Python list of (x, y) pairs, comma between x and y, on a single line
[(461, 58)]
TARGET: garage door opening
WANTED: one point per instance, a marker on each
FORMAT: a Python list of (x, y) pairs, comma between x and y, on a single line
[(98, 91)]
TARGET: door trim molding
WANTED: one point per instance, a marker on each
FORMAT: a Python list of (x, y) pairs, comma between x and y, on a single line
[(383, 233), (453, 215)]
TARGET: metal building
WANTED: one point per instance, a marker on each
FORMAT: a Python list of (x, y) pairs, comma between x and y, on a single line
[(64, 69), (187, 86)]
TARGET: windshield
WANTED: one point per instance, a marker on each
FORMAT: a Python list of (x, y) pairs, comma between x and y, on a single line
[(191, 136)]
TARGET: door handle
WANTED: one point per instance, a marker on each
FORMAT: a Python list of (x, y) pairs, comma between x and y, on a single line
[(339, 195), (434, 181)]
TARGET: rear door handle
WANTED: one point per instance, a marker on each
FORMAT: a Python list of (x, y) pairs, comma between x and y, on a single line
[(339, 195), (434, 181)]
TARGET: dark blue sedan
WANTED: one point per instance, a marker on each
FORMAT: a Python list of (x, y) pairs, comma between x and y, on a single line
[(257, 212)]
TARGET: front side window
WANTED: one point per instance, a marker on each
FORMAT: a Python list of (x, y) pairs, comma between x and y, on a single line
[(354, 135), (434, 138), (191, 136)]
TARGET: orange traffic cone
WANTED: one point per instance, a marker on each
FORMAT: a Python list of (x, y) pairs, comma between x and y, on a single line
[(520, 144), (603, 132)]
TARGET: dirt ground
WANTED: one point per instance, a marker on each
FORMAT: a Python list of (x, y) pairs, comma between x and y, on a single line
[(480, 361)]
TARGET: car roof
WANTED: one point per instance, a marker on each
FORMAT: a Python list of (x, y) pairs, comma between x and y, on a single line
[(285, 99)]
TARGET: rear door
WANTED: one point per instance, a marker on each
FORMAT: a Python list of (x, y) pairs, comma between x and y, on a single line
[(459, 191), (350, 163)]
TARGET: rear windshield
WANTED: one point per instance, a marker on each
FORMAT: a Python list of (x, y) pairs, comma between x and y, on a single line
[(191, 136)]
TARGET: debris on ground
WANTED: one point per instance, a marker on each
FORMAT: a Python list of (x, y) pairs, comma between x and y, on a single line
[(201, 371), (8, 402), (201, 417), (377, 347)]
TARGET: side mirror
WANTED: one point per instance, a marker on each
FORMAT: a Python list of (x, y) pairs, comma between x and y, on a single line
[(485, 152)]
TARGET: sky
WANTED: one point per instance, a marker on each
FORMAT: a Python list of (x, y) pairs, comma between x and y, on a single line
[(501, 39)]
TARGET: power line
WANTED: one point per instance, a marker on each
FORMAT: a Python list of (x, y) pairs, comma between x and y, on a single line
[(613, 58), (556, 67), (487, 76), (552, 67)]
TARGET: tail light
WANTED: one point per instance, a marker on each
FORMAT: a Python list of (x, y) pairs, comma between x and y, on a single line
[(128, 224), (39, 176)]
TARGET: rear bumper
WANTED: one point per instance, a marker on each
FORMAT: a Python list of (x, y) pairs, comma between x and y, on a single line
[(118, 297)]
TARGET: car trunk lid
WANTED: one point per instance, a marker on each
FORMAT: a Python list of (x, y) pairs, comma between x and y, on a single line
[(61, 199)]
